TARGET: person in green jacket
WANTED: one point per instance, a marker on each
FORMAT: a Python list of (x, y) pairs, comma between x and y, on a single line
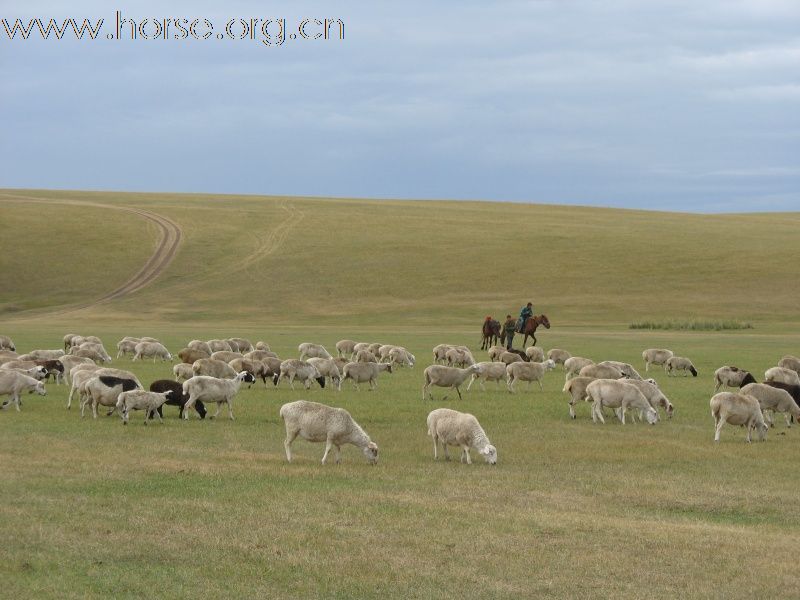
[(524, 314), (508, 330)]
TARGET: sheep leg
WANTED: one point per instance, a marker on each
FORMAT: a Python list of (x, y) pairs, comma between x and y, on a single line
[(338, 454), (94, 408), (69, 400), (459, 393), (465, 454), (446, 453), (718, 427), (572, 409), (230, 408), (541, 387), (788, 418), (471, 381), (219, 408), (435, 447), (597, 413), (287, 444), (153, 414), (328, 446)]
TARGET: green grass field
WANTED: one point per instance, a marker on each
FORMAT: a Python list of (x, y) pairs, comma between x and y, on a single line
[(573, 509)]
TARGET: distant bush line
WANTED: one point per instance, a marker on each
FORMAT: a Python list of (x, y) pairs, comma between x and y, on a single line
[(693, 325)]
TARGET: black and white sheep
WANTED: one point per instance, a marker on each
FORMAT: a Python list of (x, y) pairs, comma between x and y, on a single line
[(300, 370), (177, 398), (732, 377), (679, 363)]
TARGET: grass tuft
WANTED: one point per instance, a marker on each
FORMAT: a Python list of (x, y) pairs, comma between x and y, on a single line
[(692, 325)]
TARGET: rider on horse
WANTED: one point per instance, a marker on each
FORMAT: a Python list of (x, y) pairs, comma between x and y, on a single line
[(524, 314)]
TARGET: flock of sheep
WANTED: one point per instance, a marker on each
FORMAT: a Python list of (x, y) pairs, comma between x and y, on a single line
[(213, 372)]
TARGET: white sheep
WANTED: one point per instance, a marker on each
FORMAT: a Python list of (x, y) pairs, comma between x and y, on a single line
[(576, 388), (656, 356), (78, 383), (211, 367), (13, 384), (558, 356), (361, 346), (103, 390), (456, 357), (732, 377), (625, 368), (316, 422), (527, 371), (440, 351), (447, 377), (453, 428), (488, 371), (365, 356), (226, 355), (600, 372), (360, 372), (260, 355), (534, 354), (294, 368), (216, 345), (679, 363), (383, 352), (43, 355), (6, 343), (182, 372), (790, 362), (70, 361), (620, 396), (737, 409), (327, 368), (93, 346), (773, 399), (401, 357), (149, 402), (211, 389), (655, 397), (508, 357), (127, 345), (574, 364), (345, 348), (495, 352), (152, 349), (242, 344), (200, 345), (309, 350), (782, 375), (260, 345)]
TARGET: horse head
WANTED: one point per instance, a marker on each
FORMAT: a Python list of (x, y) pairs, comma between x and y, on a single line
[(544, 321)]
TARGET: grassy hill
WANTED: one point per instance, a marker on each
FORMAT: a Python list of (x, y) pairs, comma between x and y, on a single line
[(301, 260)]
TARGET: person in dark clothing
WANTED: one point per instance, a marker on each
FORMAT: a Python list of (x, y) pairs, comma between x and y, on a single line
[(508, 330), (524, 314)]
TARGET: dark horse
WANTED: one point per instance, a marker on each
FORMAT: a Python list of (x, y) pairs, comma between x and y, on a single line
[(491, 333), (529, 327)]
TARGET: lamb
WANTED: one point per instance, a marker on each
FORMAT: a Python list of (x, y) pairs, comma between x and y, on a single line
[(226, 355), (790, 362), (654, 396), (365, 356), (200, 346), (212, 389), (626, 369), (732, 377), (457, 357), (488, 371), (26, 365), (327, 368), (149, 402), (453, 428), (293, 368), (656, 356), (321, 423), (154, 349), (782, 375), (447, 377), (6, 343), (190, 355), (401, 357), (679, 363), (104, 390), (601, 372), (558, 356), (737, 409), (178, 398), (13, 384), (574, 364), (361, 372), (534, 354), (773, 399), (576, 388), (242, 344), (212, 367), (345, 348), (182, 372), (621, 396), (522, 371), (217, 345)]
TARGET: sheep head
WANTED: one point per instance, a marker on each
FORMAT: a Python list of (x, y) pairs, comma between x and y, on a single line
[(489, 454), (371, 453)]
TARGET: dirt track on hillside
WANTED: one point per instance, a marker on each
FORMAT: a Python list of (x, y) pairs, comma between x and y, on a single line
[(170, 239)]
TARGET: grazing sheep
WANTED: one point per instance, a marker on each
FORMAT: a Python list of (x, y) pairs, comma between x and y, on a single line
[(654, 396), (383, 352), (309, 350), (46, 355), (782, 375), (453, 428), (401, 357), (772, 399), (656, 356), (574, 364), (732, 377), (70, 361), (218, 345), (626, 369), (37, 372), (260, 355), (513, 356), (341, 361), (601, 372), (79, 382), (361, 346), (68, 340), (149, 402), (262, 346), (364, 371), (327, 368), (178, 398), (127, 346), (316, 422), (439, 352), (495, 352), (794, 390), (201, 346), (103, 390), (272, 370), (95, 346), (576, 388), (242, 344), (13, 384), (679, 363), (211, 367), (256, 367), (190, 355), (226, 355), (152, 349), (737, 409), (345, 348), (365, 356), (88, 353), (294, 368), (558, 356), (534, 354), (488, 371), (374, 347), (447, 377), (182, 372), (54, 368), (6, 343), (23, 365), (619, 395), (790, 362), (212, 389), (457, 357), (522, 371)]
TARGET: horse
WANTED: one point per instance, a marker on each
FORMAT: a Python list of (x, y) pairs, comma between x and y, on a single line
[(491, 332), (529, 327)]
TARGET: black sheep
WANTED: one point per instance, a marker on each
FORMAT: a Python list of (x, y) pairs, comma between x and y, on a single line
[(177, 398)]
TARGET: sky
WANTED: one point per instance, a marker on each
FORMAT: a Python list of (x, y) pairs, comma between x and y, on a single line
[(668, 105)]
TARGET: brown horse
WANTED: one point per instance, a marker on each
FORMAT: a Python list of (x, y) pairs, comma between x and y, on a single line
[(529, 327), (491, 332)]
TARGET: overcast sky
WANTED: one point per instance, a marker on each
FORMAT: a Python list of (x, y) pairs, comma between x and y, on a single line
[(677, 105)]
